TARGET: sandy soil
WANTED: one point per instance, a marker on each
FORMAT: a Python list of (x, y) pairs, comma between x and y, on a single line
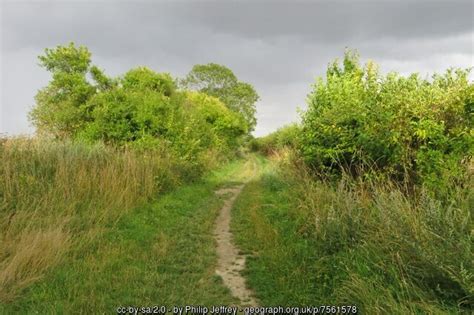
[(230, 262)]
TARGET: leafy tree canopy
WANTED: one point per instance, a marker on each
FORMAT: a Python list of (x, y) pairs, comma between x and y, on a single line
[(219, 81), (69, 59), (142, 107)]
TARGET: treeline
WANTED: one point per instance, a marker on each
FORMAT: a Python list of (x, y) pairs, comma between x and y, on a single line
[(377, 185), (205, 116)]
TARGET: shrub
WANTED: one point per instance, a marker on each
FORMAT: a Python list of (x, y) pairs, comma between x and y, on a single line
[(410, 128), (140, 109), (284, 137)]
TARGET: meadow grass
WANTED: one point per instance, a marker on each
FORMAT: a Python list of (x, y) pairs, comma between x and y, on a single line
[(53, 194), (79, 234), (355, 243), (88, 228)]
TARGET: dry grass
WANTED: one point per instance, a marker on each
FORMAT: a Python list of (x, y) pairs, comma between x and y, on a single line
[(25, 259)]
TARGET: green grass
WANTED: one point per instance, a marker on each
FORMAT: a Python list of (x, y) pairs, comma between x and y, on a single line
[(88, 229), (346, 243), (278, 268), (161, 253), (57, 196)]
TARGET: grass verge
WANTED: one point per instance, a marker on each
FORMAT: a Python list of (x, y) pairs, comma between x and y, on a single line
[(155, 253), (346, 243)]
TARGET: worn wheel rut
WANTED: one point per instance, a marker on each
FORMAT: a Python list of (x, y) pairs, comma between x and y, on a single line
[(230, 263)]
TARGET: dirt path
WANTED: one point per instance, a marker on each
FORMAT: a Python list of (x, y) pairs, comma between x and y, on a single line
[(230, 262)]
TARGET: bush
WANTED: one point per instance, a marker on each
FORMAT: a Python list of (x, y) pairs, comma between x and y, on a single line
[(224, 127), (284, 137), (410, 128), (141, 109)]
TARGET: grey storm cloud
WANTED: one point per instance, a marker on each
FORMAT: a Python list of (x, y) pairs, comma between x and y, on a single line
[(278, 46)]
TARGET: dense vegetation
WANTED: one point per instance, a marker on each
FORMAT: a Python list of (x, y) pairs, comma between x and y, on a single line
[(417, 129), (82, 229), (285, 137), (60, 195), (370, 198), (363, 243), (142, 109), (105, 147), (221, 82), (413, 130), (368, 201)]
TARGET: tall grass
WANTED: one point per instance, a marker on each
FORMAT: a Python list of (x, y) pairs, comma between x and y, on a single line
[(366, 242), (57, 195), (384, 249)]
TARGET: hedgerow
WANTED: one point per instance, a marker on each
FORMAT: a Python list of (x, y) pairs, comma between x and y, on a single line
[(413, 129), (142, 109)]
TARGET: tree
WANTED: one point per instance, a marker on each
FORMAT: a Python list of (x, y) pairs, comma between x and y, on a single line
[(66, 59), (141, 108), (61, 106), (138, 104), (219, 81), (227, 125)]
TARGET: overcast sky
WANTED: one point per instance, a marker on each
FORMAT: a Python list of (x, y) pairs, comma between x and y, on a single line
[(279, 47)]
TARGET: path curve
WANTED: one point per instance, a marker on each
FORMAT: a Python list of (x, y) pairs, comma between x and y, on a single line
[(230, 263)]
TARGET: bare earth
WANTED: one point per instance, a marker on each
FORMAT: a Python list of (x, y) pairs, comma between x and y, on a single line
[(230, 262)]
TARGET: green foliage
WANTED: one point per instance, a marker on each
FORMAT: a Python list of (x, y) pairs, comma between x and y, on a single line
[(103, 82), (67, 59), (354, 242), (56, 195), (226, 125), (144, 79), (63, 108), (75, 217), (141, 108), (408, 127), (211, 78), (219, 81), (284, 137)]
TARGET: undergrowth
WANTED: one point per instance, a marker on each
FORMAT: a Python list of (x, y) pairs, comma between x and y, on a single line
[(355, 242), (59, 195)]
